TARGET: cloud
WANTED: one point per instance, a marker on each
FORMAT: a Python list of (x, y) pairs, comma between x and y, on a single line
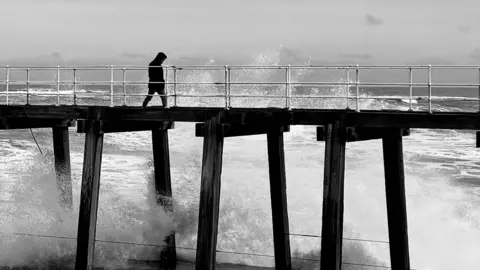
[(356, 56), (372, 20), (433, 61), (464, 29), (51, 59), (134, 55), (475, 55), (56, 55)]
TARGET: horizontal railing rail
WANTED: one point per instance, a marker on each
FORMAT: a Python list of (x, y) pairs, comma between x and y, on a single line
[(171, 79), (144, 67)]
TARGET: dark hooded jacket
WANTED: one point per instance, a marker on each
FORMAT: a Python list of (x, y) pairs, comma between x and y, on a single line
[(156, 74)]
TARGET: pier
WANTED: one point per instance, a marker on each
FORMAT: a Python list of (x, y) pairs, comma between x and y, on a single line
[(110, 112)]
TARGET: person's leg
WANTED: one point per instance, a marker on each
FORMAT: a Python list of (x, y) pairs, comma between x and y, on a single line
[(161, 91), (149, 97)]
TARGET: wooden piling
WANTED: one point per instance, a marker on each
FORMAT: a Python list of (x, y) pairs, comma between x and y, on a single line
[(210, 193), (278, 197), (333, 194), (477, 139), (87, 219), (163, 188), (396, 202), (61, 150)]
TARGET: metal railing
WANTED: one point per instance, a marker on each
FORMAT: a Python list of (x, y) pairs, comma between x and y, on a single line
[(227, 83)]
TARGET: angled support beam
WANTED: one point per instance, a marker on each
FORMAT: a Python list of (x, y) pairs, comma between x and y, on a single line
[(396, 202), (163, 188), (127, 126), (87, 219), (356, 134), (236, 130), (61, 151), (333, 196), (278, 197), (210, 194)]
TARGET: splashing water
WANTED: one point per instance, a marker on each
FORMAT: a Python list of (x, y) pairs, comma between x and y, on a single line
[(256, 95)]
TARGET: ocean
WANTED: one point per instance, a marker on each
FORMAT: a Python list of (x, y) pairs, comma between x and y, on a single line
[(441, 169)]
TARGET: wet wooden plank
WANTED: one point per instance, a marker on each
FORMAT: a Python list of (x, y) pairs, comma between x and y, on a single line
[(253, 116), (25, 123), (42, 111)]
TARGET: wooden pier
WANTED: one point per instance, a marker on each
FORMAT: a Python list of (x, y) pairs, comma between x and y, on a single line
[(335, 127)]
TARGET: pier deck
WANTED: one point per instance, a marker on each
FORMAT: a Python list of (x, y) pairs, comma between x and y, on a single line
[(17, 116)]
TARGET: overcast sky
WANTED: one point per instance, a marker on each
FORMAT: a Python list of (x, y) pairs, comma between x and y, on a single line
[(382, 31)]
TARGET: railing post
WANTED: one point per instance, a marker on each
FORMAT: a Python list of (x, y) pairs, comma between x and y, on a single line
[(229, 85), (226, 87), (28, 86), (124, 87), (174, 86), (410, 79), (478, 88), (166, 85), (357, 75), (7, 82), (348, 86), (430, 88), (58, 85), (288, 87), (111, 85), (74, 86)]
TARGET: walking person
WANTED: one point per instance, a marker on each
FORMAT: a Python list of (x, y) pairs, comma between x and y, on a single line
[(156, 82)]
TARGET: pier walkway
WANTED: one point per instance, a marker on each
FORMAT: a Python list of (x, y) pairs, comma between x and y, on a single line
[(346, 103)]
